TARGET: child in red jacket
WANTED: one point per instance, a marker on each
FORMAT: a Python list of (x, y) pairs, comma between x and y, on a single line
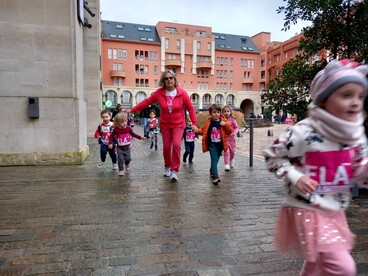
[(214, 132)]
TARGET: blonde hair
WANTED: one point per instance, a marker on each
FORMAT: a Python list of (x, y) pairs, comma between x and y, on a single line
[(120, 118), (228, 107), (161, 82)]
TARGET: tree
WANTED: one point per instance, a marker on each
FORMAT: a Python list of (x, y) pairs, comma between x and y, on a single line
[(337, 26), (289, 91)]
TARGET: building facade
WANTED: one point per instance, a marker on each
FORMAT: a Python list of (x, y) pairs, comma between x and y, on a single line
[(49, 80), (212, 67)]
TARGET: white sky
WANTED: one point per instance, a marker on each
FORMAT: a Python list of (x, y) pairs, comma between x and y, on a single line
[(239, 17)]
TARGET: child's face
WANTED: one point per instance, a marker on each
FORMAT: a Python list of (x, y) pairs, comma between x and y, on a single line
[(346, 102), (105, 118), (215, 114), (123, 124), (226, 112), (189, 123), (152, 115)]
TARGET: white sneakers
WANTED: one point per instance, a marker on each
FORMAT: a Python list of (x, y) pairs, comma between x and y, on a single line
[(227, 167), (115, 166), (100, 165), (232, 162), (174, 176), (167, 172)]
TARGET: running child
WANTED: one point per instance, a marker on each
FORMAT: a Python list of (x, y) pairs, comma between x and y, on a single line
[(214, 132), (152, 128), (122, 133), (229, 155), (103, 133), (318, 158), (189, 140)]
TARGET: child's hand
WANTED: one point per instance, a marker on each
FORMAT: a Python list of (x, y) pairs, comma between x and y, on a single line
[(222, 123), (195, 128), (110, 146), (306, 184), (143, 138)]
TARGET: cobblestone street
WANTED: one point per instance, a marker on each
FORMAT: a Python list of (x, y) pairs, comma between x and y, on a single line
[(81, 220)]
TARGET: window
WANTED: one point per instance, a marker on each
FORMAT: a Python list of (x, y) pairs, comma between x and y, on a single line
[(113, 35), (198, 45), (231, 61), (201, 33), (120, 81), (114, 53), (121, 36), (178, 44), (115, 81), (155, 69), (119, 26), (231, 74), (155, 56), (209, 46), (230, 100), (146, 69), (111, 96), (114, 67), (166, 43), (140, 96), (120, 54), (125, 54), (170, 30), (120, 67), (109, 53), (126, 97)]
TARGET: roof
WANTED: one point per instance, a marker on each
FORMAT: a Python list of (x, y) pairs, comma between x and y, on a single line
[(234, 42), (129, 32)]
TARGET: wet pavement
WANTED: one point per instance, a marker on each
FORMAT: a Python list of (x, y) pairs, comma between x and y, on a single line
[(81, 220)]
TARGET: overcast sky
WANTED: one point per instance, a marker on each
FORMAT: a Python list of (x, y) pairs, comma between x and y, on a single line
[(240, 17)]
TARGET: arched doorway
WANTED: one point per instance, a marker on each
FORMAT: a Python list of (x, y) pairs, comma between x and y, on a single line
[(247, 107)]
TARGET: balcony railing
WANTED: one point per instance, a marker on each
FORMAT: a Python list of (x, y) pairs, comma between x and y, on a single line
[(203, 64), (117, 73), (172, 62), (247, 80)]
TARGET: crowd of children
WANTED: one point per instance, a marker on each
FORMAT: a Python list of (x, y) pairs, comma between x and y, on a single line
[(218, 133)]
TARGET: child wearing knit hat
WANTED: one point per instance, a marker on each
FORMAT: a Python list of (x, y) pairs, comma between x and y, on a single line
[(319, 158)]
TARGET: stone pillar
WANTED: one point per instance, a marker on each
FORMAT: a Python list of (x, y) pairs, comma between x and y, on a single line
[(43, 57)]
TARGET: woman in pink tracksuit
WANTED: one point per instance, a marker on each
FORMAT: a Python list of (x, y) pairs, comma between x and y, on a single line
[(231, 139), (173, 102)]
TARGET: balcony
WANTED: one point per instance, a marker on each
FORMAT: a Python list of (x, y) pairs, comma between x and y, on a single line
[(117, 73), (204, 65), (173, 62), (247, 80)]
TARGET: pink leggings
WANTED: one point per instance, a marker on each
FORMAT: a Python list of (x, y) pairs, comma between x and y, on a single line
[(330, 264), (230, 153), (171, 140)]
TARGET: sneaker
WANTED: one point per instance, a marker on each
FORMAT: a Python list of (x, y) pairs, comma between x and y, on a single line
[(227, 167), (167, 172), (115, 166), (127, 167), (173, 176), (100, 165), (121, 173), (232, 162), (215, 179), (184, 160), (155, 147)]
